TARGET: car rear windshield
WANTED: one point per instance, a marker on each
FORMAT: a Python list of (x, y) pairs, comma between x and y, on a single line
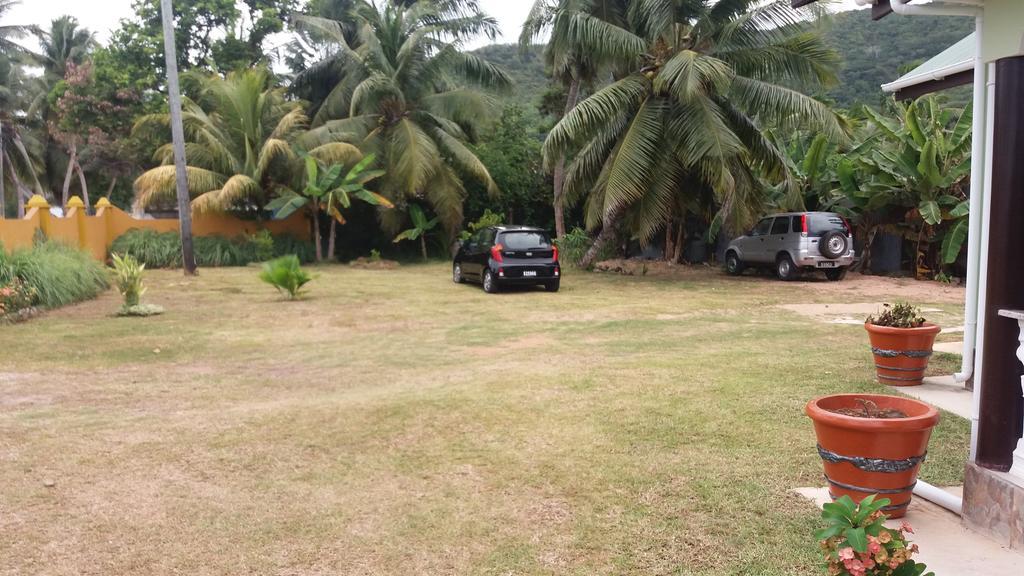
[(524, 240), (819, 224)]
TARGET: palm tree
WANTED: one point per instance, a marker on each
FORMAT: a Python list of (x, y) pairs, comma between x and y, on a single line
[(62, 44), (10, 32), (239, 135), (569, 66), (19, 149), (699, 80), (406, 94)]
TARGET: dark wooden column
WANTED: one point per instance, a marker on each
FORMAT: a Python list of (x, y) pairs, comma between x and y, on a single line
[(1001, 403)]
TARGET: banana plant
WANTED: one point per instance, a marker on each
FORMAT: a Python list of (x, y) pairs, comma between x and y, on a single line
[(923, 160), (330, 190), (420, 228)]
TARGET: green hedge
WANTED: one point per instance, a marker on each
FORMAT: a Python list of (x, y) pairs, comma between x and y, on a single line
[(57, 274), (163, 249)]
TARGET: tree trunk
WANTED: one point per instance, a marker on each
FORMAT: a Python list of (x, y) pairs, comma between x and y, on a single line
[(316, 235), (670, 246), (28, 163), (559, 172), (110, 189), (680, 242), (330, 241), (865, 255), (3, 188), (423, 245), (85, 188), (19, 191), (607, 234), (188, 257), (67, 175)]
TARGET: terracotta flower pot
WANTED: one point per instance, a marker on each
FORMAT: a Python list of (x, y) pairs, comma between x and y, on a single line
[(901, 354), (864, 456)]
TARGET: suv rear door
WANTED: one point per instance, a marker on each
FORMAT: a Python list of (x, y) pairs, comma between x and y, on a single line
[(776, 241), (526, 248)]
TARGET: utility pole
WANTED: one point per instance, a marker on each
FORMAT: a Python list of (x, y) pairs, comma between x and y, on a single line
[(188, 258)]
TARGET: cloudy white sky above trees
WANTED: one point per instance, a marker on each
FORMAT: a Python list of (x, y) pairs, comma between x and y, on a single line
[(102, 16)]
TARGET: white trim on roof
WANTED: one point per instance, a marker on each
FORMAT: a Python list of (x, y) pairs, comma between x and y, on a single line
[(956, 59)]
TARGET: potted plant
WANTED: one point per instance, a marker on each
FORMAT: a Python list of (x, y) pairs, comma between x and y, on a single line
[(872, 444), (857, 543), (901, 341)]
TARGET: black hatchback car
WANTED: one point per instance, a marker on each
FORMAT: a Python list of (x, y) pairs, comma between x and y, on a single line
[(499, 256)]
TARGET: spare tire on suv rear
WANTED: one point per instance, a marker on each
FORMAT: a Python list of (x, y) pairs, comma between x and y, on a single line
[(833, 244)]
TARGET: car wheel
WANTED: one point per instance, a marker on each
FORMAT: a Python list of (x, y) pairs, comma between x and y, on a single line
[(490, 284), (733, 264), (835, 274), (552, 286), (832, 244), (457, 274), (785, 269)]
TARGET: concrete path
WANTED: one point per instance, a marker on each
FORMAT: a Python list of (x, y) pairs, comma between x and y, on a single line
[(941, 392), (947, 547)]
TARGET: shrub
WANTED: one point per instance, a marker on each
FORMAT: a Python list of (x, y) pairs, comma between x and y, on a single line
[(487, 219), (286, 244), (898, 315), (857, 543), (574, 245), (6, 267), (154, 249), (163, 249), (59, 274), (286, 274), (128, 275), (15, 296), (262, 244)]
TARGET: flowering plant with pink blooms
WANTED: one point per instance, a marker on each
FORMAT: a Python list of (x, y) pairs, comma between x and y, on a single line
[(857, 543), (15, 296)]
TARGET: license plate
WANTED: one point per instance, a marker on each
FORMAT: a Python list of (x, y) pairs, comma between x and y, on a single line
[(828, 264), (529, 272)]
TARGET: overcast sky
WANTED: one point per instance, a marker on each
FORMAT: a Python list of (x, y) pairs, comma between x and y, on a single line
[(101, 16)]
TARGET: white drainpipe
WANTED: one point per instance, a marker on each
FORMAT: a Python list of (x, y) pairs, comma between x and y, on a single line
[(978, 147), (977, 267), (983, 264)]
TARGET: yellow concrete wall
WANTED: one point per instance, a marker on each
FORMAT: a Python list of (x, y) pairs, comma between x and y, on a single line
[(96, 233), (18, 233)]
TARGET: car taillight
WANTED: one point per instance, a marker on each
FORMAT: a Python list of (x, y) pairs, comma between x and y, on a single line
[(849, 230), (803, 223), (496, 253), (554, 253)]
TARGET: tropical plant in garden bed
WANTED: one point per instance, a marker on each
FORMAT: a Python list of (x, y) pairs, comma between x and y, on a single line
[(330, 190), (872, 444), (286, 274), (901, 342), (128, 278), (857, 543)]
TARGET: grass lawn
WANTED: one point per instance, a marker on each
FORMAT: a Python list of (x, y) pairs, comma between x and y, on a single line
[(395, 423)]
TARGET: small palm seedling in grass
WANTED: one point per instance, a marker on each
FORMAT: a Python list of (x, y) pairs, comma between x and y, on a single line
[(857, 543), (286, 274), (128, 277)]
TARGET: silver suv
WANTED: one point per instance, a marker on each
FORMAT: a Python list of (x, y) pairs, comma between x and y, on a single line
[(793, 242)]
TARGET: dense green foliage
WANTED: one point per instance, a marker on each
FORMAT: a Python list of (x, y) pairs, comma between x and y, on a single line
[(286, 274), (58, 274), (163, 249)]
